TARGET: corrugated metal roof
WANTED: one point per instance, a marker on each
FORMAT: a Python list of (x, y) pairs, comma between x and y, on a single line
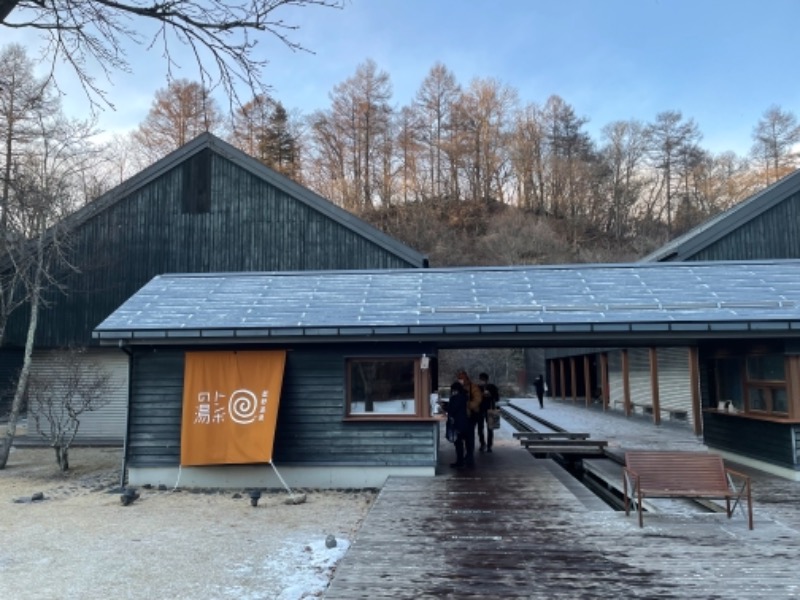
[(593, 301), (708, 232)]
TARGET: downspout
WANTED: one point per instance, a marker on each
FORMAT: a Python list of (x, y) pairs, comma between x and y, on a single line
[(127, 351)]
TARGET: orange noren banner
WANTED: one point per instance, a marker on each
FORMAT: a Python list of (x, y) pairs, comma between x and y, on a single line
[(230, 406)]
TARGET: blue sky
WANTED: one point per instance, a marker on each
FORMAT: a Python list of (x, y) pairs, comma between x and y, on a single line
[(720, 62)]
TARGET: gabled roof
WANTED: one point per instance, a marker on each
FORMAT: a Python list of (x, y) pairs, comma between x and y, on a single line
[(248, 163), (554, 305), (687, 245)]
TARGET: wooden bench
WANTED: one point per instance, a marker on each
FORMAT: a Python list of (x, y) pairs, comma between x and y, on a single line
[(556, 435), (657, 474)]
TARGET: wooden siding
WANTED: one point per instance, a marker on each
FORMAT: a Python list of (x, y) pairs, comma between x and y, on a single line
[(250, 225), (108, 423), (769, 235), (769, 441), (154, 420), (310, 427)]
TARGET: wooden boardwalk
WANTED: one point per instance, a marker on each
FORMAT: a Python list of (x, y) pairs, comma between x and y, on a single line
[(519, 527)]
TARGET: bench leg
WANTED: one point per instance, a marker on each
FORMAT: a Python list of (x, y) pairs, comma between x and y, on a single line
[(641, 517)]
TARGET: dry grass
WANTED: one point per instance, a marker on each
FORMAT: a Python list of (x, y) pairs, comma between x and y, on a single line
[(80, 542)]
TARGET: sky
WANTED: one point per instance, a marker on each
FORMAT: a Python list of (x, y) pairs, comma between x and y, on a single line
[(722, 63)]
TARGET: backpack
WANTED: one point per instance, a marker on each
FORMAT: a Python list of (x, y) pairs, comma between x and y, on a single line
[(475, 399)]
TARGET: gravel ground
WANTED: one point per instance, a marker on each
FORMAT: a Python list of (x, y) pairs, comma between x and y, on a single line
[(81, 542)]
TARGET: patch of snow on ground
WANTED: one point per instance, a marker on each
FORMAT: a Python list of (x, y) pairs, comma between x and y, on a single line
[(297, 570)]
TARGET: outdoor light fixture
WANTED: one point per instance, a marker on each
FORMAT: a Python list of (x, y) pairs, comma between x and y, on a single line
[(424, 362)]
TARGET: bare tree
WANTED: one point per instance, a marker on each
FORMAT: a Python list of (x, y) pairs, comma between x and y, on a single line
[(410, 156), (776, 137), (434, 106), (58, 399), (23, 99), (623, 155), (669, 137), (44, 192), (179, 113), (350, 138), (528, 158), (481, 118), (221, 36)]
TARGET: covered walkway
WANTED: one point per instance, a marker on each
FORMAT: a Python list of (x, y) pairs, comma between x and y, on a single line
[(519, 527)]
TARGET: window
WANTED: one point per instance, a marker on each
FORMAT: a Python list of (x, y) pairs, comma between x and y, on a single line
[(753, 384), (386, 387), (729, 384), (766, 384)]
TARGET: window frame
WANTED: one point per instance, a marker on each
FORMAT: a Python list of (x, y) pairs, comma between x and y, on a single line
[(421, 386), (750, 385)]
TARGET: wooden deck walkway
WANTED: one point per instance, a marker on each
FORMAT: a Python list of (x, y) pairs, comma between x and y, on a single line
[(520, 527)]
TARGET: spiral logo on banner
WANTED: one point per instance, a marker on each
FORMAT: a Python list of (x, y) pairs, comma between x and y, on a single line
[(243, 407)]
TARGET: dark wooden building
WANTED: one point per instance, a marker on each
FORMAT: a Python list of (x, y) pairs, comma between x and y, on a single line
[(748, 385), (361, 345), (206, 207)]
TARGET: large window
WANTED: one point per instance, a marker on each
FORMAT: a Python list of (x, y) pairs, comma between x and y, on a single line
[(753, 384), (385, 387)]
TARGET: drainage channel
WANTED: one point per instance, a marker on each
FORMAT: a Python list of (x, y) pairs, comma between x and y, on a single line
[(597, 469)]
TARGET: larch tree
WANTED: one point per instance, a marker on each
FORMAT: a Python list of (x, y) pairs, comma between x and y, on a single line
[(179, 113), (351, 136), (482, 114), (23, 99), (433, 105), (411, 180), (248, 124), (669, 136), (527, 153), (221, 37), (776, 138), (623, 154), (570, 159)]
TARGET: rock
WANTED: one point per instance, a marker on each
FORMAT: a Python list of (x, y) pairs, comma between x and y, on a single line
[(295, 499), (128, 496), (162, 487), (37, 497), (330, 541)]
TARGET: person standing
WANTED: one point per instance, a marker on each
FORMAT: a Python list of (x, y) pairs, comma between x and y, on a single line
[(459, 420), (473, 412), (489, 398), (538, 384)]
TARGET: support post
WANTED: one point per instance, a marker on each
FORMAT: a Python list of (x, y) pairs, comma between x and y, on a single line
[(655, 398)]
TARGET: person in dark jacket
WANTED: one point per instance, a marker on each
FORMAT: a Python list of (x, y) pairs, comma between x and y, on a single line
[(460, 422), (538, 384), (489, 398)]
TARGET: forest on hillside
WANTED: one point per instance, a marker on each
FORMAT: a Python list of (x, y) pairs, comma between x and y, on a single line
[(467, 173)]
